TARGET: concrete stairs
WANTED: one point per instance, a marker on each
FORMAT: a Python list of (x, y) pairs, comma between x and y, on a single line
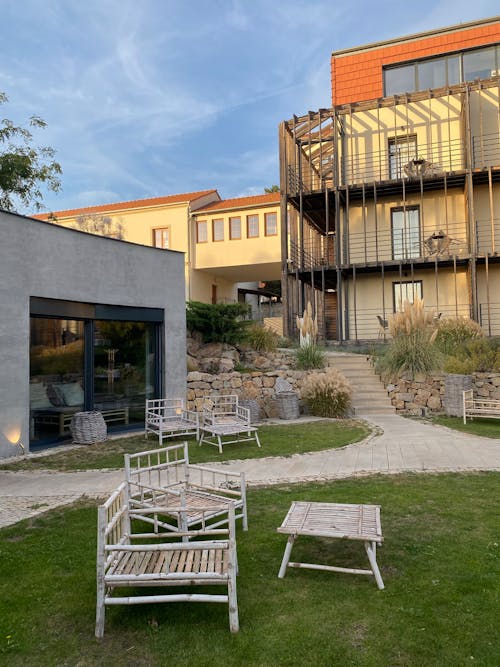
[(368, 393)]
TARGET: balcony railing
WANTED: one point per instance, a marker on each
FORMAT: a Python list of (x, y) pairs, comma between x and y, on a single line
[(364, 324), (314, 253), (408, 162), (432, 243)]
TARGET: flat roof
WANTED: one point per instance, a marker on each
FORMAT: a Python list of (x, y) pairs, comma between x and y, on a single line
[(419, 35)]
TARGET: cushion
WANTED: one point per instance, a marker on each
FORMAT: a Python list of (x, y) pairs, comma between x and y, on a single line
[(55, 396), (71, 393), (38, 396)]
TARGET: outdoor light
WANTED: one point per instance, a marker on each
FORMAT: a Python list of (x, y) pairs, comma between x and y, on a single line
[(13, 435)]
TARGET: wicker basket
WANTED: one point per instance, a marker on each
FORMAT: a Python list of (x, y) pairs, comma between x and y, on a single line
[(288, 405), (88, 428), (254, 408)]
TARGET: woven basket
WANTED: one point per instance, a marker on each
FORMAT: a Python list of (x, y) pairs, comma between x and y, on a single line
[(288, 405), (254, 408), (88, 428)]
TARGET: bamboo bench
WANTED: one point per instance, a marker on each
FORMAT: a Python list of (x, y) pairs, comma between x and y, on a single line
[(479, 407), (162, 480), (136, 560)]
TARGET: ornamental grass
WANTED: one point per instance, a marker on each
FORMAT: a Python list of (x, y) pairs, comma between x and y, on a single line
[(327, 394)]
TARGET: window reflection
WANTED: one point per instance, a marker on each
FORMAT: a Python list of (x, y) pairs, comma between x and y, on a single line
[(56, 375)]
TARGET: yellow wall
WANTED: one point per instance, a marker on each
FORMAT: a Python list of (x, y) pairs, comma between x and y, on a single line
[(436, 123), (436, 214), (371, 293), (262, 254)]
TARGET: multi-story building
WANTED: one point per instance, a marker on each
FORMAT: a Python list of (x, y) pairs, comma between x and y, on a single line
[(394, 191), (225, 242)]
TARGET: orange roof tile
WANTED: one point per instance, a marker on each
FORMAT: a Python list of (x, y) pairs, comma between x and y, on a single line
[(136, 203), (241, 202)]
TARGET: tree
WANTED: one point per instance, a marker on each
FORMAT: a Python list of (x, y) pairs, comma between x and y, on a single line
[(102, 225), (218, 323), (23, 167), (273, 188)]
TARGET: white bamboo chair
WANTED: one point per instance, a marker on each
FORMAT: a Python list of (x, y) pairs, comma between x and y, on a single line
[(168, 418)]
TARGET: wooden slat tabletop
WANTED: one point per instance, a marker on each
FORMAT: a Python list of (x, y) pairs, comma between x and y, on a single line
[(341, 520)]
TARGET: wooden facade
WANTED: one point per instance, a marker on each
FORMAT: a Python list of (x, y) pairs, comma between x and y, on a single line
[(392, 197)]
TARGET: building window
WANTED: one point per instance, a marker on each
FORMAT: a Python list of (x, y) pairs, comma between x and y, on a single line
[(161, 238), (445, 70), (201, 231), (402, 150), (218, 229), (252, 226), (405, 232), (271, 224), (235, 228), (405, 291)]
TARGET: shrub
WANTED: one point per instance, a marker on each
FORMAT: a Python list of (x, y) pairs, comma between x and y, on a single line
[(411, 351), (453, 332), (475, 356), (261, 338), (218, 323), (309, 357), (327, 394)]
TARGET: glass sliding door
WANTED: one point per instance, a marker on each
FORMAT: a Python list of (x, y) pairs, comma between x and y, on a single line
[(405, 233), (56, 375), (124, 369)]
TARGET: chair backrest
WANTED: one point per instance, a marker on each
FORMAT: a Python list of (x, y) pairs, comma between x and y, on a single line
[(224, 404), (157, 467), (383, 323), (166, 407), (113, 523)]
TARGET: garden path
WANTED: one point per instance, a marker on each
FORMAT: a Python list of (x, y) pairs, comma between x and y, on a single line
[(397, 445)]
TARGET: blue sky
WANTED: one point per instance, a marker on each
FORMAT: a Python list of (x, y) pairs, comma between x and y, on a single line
[(155, 97)]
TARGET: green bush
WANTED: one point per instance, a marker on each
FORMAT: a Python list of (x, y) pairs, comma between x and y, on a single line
[(309, 357), (327, 394), (218, 323), (453, 332), (476, 356), (261, 338)]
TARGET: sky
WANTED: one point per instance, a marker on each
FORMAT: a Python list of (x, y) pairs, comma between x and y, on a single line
[(146, 98)]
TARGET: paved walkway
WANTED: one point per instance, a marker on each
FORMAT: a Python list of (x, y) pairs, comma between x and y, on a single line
[(398, 445)]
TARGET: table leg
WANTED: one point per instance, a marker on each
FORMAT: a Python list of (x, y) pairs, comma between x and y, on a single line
[(371, 551), (286, 556)]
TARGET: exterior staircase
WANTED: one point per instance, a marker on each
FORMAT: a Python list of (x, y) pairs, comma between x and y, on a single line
[(368, 393)]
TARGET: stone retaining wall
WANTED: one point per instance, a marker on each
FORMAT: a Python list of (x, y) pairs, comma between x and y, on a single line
[(257, 385), (423, 395)]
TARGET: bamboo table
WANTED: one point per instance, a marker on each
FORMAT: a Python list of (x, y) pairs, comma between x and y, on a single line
[(338, 521)]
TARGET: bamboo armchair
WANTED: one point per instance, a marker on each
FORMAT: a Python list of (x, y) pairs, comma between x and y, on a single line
[(168, 418), (226, 422), (133, 560)]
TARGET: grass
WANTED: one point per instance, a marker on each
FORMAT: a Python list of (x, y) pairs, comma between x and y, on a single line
[(279, 440), (440, 564), (488, 428)]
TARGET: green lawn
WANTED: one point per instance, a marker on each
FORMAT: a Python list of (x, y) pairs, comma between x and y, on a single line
[(278, 440), (440, 564), (489, 428)]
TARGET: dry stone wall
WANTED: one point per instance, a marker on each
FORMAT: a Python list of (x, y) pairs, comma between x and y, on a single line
[(441, 393)]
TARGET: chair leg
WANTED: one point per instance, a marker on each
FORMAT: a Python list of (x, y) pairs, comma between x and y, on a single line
[(100, 608), (286, 556), (257, 438), (371, 551)]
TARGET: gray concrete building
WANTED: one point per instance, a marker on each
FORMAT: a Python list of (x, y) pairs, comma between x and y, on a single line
[(86, 323)]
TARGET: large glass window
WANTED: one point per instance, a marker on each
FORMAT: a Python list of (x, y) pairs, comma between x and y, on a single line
[(124, 369), (56, 375), (479, 64), (405, 233), (90, 363), (445, 70)]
